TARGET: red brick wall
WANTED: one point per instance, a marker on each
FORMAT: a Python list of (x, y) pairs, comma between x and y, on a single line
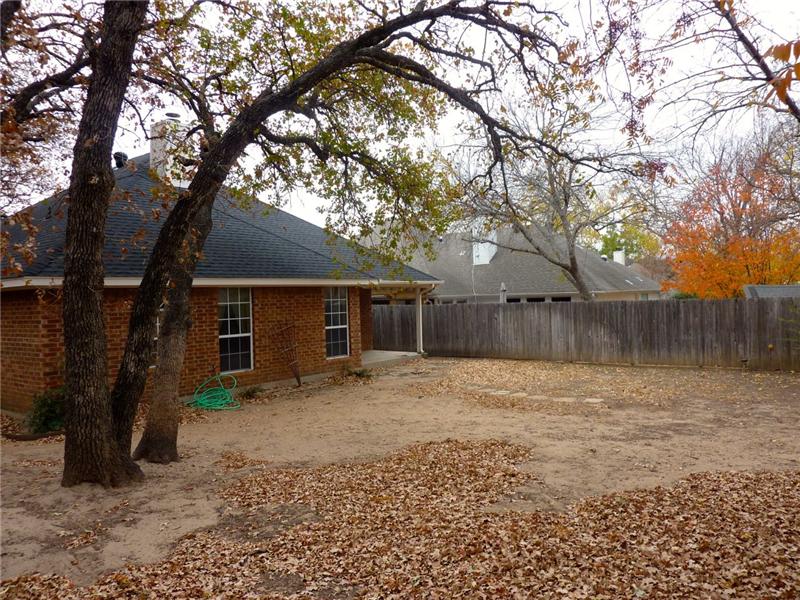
[(33, 353), (20, 349), (366, 319)]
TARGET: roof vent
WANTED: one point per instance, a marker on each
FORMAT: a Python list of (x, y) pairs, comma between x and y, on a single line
[(120, 158)]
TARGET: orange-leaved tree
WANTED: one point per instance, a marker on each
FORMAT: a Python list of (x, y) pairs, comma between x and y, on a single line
[(737, 227)]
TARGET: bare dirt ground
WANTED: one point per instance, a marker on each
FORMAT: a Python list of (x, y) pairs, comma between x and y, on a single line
[(440, 478)]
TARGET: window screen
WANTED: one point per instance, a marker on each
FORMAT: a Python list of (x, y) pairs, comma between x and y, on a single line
[(235, 330), (336, 330)]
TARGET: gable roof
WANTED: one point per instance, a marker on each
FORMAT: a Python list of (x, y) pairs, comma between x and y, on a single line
[(522, 273), (255, 242), (772, 291)]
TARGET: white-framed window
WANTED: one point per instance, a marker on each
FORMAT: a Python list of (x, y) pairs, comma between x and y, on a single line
[(337, 334), (235, 330)]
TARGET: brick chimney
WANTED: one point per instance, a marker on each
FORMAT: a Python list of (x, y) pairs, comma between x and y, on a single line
[(166, 138)]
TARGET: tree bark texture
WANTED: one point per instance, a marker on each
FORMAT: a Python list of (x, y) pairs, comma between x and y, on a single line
[(91, 453), (576, 274), (159, 442)]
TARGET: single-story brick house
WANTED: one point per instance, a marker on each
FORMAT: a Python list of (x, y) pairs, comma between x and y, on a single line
[(259, 270)]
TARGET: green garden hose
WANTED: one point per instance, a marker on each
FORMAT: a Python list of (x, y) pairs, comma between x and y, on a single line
[(218, 397)]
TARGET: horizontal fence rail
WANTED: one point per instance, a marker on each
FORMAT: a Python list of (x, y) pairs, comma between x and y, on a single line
[(760, 334)]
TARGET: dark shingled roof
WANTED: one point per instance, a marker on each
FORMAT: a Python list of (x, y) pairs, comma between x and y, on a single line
[(772, 291), (254, 242), (522, 273)]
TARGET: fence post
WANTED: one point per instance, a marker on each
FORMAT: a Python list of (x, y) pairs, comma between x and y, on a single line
[(418, 306)]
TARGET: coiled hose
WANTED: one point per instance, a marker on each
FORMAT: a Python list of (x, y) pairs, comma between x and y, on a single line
[(218, 397)]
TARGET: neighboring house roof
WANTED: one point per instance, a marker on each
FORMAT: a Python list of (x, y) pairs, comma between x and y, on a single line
[(772, 291), (521, 272), (245, 243), (657, 269)]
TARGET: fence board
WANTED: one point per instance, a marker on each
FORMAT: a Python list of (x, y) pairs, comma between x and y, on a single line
[(762, 333)]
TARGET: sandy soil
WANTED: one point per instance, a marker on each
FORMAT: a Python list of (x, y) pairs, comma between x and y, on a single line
[(679, 421)]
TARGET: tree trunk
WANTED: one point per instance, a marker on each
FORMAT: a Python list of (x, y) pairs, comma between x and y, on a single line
[(163, 267), (580, 285), (576, 275), (165, 258), (159, 441), (91, 453)]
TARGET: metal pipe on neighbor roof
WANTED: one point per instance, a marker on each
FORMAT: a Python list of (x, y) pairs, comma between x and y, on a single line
[(120, 158)]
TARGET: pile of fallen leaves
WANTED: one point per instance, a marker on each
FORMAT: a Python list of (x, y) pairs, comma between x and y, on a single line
[(654, 386), (415, 525), (235, 460), (553, 406), (10, 425)]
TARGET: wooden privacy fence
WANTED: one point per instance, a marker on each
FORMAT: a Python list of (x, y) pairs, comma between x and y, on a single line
[(761, 334)]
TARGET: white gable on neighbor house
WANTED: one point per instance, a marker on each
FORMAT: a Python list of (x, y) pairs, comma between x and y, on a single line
[(483, 252)]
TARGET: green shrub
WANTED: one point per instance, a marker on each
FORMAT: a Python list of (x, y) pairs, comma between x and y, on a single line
[(685, 296), (47, 413)]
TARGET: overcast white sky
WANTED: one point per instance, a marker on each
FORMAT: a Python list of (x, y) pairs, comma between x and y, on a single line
[(782, 16)]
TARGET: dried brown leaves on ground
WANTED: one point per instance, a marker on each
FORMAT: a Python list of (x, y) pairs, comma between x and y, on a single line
[(415, 525), (233, 461), (9, 424), (355, 378), (654, 386)]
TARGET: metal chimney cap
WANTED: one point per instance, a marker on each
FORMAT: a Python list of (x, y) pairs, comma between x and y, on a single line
[(120, 158)]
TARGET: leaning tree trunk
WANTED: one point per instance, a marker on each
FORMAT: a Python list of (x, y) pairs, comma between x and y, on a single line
[(576, 275), (211, 174), (163, 266), (166, 257), (580, 285), (159, 441), (91, 452)]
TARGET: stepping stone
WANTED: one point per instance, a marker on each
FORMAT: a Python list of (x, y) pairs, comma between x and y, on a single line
[(593, 400), (499, 393), (565, 399), (519, 395)]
